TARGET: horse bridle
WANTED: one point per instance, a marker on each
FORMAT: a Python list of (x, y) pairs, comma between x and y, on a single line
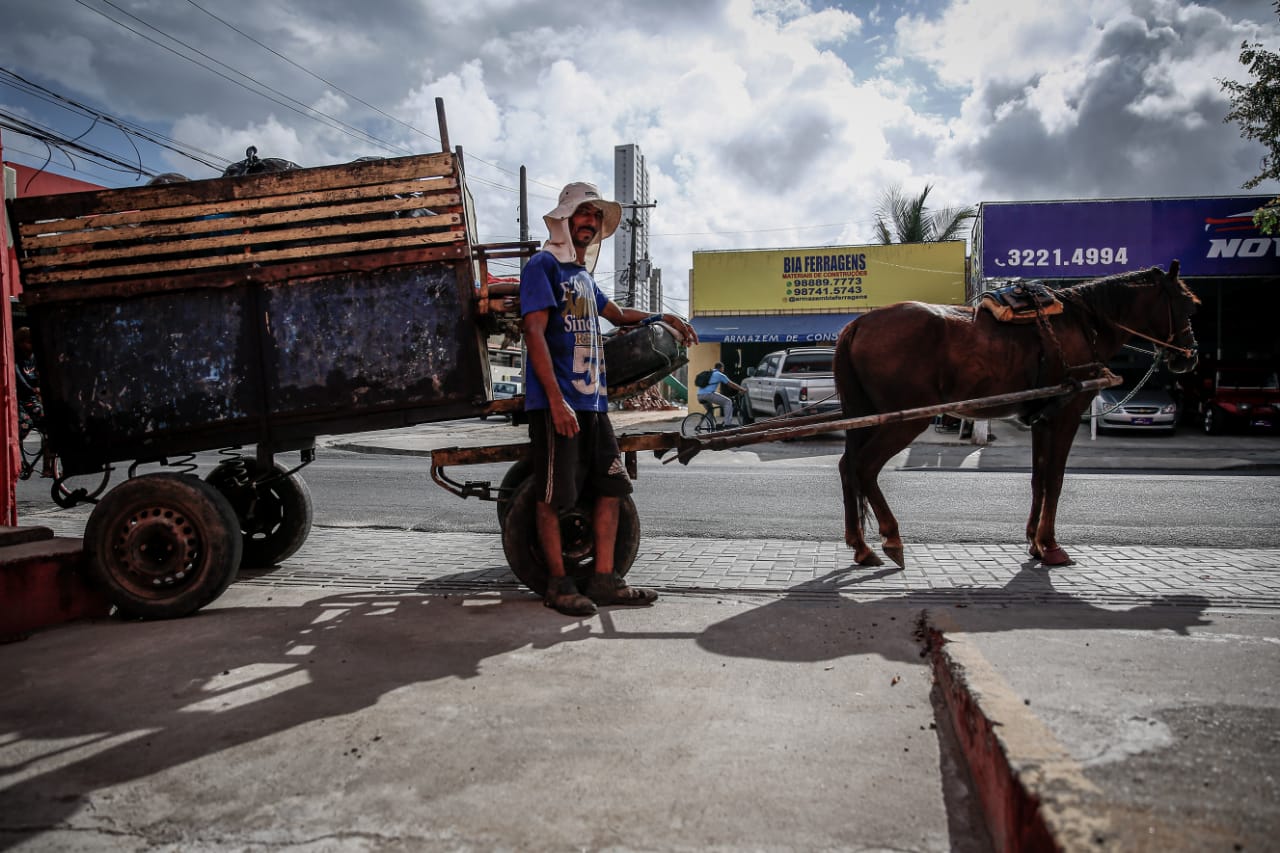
[(1169, 343)]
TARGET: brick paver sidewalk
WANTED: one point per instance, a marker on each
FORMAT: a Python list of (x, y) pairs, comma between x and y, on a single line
[(935, 574), (1002, 574)]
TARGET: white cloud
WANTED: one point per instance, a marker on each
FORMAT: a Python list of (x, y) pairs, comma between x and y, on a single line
[(775, 122)]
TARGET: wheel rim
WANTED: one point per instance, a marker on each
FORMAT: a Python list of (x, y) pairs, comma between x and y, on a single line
[(157, 550), (576, 542), (261, 517)]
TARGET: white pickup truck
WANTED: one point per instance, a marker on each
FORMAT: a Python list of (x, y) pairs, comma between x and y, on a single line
[(790, 379)]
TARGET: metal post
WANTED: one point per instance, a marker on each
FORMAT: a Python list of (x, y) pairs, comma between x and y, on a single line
[(524, 211), (444, 126), (634, 223), (10, 454)]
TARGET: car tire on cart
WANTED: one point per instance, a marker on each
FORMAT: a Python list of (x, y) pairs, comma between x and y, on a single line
[(274, 516), (162, 546), (520, 470), (523, 548)]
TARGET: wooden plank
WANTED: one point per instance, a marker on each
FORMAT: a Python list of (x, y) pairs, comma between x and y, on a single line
[(184, 265), (220, 277), (241, 242), (222, 190), (836, 421), (439, 193)]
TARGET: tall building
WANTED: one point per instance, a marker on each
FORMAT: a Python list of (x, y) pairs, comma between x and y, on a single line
[(637, 283)]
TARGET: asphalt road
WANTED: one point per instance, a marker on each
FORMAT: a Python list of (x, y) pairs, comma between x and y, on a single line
[(794, 493)]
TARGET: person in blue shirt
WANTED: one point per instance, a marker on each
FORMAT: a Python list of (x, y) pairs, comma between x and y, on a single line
[(566, 395), (710, 395)]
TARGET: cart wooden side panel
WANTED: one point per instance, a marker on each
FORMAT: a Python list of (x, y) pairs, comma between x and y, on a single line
[(260, 309)]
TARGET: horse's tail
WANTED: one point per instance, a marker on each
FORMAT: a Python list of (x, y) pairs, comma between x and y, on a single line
[(854, 403)]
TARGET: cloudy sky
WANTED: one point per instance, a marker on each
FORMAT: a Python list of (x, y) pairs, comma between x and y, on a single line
[(765, 123)]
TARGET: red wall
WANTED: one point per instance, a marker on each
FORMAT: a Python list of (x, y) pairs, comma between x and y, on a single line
[(30, 182)]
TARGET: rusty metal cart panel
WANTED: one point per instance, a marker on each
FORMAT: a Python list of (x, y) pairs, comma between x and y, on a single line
[(259, 309)]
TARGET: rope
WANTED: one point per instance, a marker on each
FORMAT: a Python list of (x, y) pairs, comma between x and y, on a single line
[(1155, 362)]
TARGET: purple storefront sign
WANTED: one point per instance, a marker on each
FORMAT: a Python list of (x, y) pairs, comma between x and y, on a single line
[(1091, 239)]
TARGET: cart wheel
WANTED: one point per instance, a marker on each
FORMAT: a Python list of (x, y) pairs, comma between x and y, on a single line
[(275, 517), (520, 471), (523, 549), (162, 546)]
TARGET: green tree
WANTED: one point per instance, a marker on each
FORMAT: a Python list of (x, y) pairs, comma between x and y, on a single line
[(907, 219), (1256, 107)]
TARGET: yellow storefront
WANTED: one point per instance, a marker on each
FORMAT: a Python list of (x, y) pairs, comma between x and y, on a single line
[(746, 304)]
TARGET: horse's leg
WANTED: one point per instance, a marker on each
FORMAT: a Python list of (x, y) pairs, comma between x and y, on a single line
[(1038, 466), (887, 441), (855, 503), (1052, 442)]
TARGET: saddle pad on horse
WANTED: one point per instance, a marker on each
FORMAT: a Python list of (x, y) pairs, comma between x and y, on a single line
[(1021, 302)]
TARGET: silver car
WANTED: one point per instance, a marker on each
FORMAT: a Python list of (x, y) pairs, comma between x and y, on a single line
[(1153, 409)]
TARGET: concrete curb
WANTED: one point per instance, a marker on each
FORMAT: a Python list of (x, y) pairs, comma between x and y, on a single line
[(1034, 795)]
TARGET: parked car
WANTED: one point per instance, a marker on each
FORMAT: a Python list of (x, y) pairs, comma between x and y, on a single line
[(1246, 397), (791, 379), (1153, 409), (504, 390)]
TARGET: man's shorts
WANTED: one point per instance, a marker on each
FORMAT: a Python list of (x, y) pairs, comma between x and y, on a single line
[(563, 467)]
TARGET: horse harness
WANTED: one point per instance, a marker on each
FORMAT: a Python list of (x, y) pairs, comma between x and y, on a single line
[(1023, 302)]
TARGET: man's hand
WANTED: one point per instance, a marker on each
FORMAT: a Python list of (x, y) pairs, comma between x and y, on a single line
[(688, 335), (564, 418)]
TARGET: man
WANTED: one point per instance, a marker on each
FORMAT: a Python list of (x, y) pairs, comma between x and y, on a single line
[(567, 398), (709, 395)]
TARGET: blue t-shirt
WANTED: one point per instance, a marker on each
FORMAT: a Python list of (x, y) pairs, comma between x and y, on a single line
[(713, 384), (573, 332)]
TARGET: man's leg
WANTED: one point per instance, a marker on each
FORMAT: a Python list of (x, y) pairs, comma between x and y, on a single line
[(554, 476), (611, 482), (726, 408), (549, 536), (604, 523)]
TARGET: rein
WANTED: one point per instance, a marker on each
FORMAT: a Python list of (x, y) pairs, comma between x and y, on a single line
[(1155, 363), (1166, 344), (1169, 344)]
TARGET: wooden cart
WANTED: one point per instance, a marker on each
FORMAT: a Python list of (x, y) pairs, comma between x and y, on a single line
[(260, 310)]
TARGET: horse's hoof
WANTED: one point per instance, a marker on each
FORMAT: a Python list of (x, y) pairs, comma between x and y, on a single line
[(869, 560), (897, 554), (1055, 556)]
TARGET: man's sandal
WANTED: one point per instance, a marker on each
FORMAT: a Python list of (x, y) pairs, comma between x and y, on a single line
[(563, 597), (607, 589)]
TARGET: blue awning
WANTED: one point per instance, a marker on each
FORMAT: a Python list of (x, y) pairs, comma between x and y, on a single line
[(778, 329)]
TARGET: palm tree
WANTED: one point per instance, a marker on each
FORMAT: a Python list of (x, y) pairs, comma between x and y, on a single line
[(901, 219)]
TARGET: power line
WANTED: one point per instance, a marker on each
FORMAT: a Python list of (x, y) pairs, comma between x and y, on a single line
[(757, 230), (22, 84), (47, 165), (351, 95), (301, 109), (49, 137)]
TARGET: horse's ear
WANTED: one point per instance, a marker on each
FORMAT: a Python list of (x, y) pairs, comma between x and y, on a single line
[(1173, 269)]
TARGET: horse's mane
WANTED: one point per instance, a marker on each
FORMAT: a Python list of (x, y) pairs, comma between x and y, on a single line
[(1109, 295)]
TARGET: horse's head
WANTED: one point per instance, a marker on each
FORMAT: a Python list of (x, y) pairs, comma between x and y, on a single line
[(1179, 346)]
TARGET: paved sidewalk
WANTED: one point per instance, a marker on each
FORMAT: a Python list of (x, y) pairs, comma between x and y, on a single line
[(398, 690)]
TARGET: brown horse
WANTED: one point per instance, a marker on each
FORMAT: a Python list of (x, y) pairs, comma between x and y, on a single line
[(912, 355)]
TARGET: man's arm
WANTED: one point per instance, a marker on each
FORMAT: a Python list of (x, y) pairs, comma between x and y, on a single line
[(634, 317), (539, 354)]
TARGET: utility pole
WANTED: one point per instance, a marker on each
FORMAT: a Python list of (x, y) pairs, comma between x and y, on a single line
[(524, 211), (635, 222)]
